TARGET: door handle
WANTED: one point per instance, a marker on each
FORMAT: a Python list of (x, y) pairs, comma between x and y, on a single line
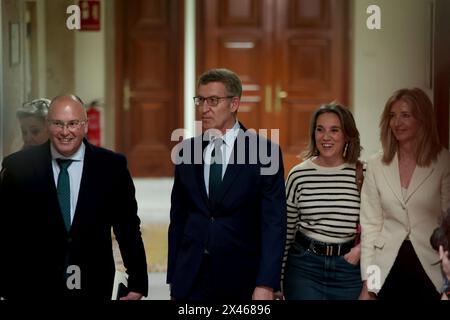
[(268, 99), (279, 94)]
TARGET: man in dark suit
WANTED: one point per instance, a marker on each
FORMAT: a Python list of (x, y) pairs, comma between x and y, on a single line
[(58, 204), (228, 213)]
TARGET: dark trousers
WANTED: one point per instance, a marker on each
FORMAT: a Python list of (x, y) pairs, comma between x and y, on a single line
[(205, 287), (407, 278)]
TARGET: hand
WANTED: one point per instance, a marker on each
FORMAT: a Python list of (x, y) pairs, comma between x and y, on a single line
[(365, 294), (132, 296), (354, 255), (263, 293), (445, 260)]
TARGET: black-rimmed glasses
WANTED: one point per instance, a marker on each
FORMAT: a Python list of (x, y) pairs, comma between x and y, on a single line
[(210, 101)]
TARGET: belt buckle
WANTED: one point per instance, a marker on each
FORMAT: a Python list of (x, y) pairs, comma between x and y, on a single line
[(329, 251)]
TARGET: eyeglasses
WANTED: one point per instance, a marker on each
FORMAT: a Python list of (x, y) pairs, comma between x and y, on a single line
[(71, 125), (210, 101)]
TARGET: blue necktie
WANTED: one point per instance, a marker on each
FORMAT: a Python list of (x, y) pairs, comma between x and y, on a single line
[(63, 190), (215, 169)]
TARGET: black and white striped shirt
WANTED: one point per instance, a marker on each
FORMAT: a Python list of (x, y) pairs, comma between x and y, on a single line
[(322, 203)]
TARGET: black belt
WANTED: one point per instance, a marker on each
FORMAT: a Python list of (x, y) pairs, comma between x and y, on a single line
[(322, 248)]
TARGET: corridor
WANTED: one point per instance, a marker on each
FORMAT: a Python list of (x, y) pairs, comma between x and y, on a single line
[(153, 197)]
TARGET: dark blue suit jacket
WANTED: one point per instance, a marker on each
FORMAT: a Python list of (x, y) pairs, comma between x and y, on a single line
[(243, 231), (35, 245)]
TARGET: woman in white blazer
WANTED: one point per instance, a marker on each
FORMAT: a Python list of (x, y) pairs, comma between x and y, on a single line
[(406, 189)]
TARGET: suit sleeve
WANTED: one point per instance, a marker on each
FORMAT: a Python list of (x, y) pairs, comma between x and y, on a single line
[(2, 227), (126, 228), (178, 215), (7, 196), (273, 224), (371, 217)]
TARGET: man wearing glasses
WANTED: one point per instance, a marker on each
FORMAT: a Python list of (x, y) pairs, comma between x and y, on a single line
[(227, 219), (59, 201)]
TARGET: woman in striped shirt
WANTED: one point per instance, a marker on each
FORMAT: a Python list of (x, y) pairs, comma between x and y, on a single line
[(321, 256)]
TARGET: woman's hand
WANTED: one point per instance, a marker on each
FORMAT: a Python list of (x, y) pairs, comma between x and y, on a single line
[(354, 255)]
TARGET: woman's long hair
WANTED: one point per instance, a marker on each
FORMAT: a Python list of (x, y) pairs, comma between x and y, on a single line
[(427, 145)]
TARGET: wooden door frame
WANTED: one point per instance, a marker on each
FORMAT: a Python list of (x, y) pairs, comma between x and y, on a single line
[(119, 7)]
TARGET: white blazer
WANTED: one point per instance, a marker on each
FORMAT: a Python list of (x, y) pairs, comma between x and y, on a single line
[(387, 219)]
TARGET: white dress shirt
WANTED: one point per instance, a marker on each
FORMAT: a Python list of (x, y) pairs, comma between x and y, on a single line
[(227, 147)]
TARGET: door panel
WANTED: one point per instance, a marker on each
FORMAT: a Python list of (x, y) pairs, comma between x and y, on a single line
[(242, 13), (238, 40), (290, 54), (149, 83)]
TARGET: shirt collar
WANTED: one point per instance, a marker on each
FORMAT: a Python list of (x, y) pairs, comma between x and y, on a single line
[(230, 135), (77, 156)]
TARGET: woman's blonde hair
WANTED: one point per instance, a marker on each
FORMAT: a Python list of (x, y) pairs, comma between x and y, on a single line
[(427, 145)]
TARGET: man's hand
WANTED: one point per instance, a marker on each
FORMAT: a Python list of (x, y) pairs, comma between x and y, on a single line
[(263, 293), (132, 296)]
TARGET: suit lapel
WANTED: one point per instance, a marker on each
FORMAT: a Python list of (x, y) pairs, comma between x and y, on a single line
[(419, 176), (44, 172), (199, 170), (392, 175), (85, 186), (233, 168)]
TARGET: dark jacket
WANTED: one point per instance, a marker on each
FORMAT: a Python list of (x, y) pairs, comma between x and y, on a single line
[(35, 246), (243, 230)]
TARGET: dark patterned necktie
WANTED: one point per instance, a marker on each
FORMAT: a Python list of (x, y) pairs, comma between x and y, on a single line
[(63, 190), (215, 169)]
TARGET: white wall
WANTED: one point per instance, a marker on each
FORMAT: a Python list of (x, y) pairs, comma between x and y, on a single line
[(12, 82), (90, 62), (386, 60)]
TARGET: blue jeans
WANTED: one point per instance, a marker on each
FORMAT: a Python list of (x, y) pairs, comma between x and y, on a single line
[(309, 276)]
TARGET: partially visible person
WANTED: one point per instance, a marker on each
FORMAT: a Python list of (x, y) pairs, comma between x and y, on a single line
[(227, 217), (440, 241), (405, 189), (322, 254), (32, 117), (58, 202)]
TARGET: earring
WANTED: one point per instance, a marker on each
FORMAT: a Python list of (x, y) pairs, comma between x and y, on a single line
[(345, 150)]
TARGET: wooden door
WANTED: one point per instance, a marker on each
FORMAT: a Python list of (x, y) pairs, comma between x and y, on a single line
[(149, 82), (290, 54)]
